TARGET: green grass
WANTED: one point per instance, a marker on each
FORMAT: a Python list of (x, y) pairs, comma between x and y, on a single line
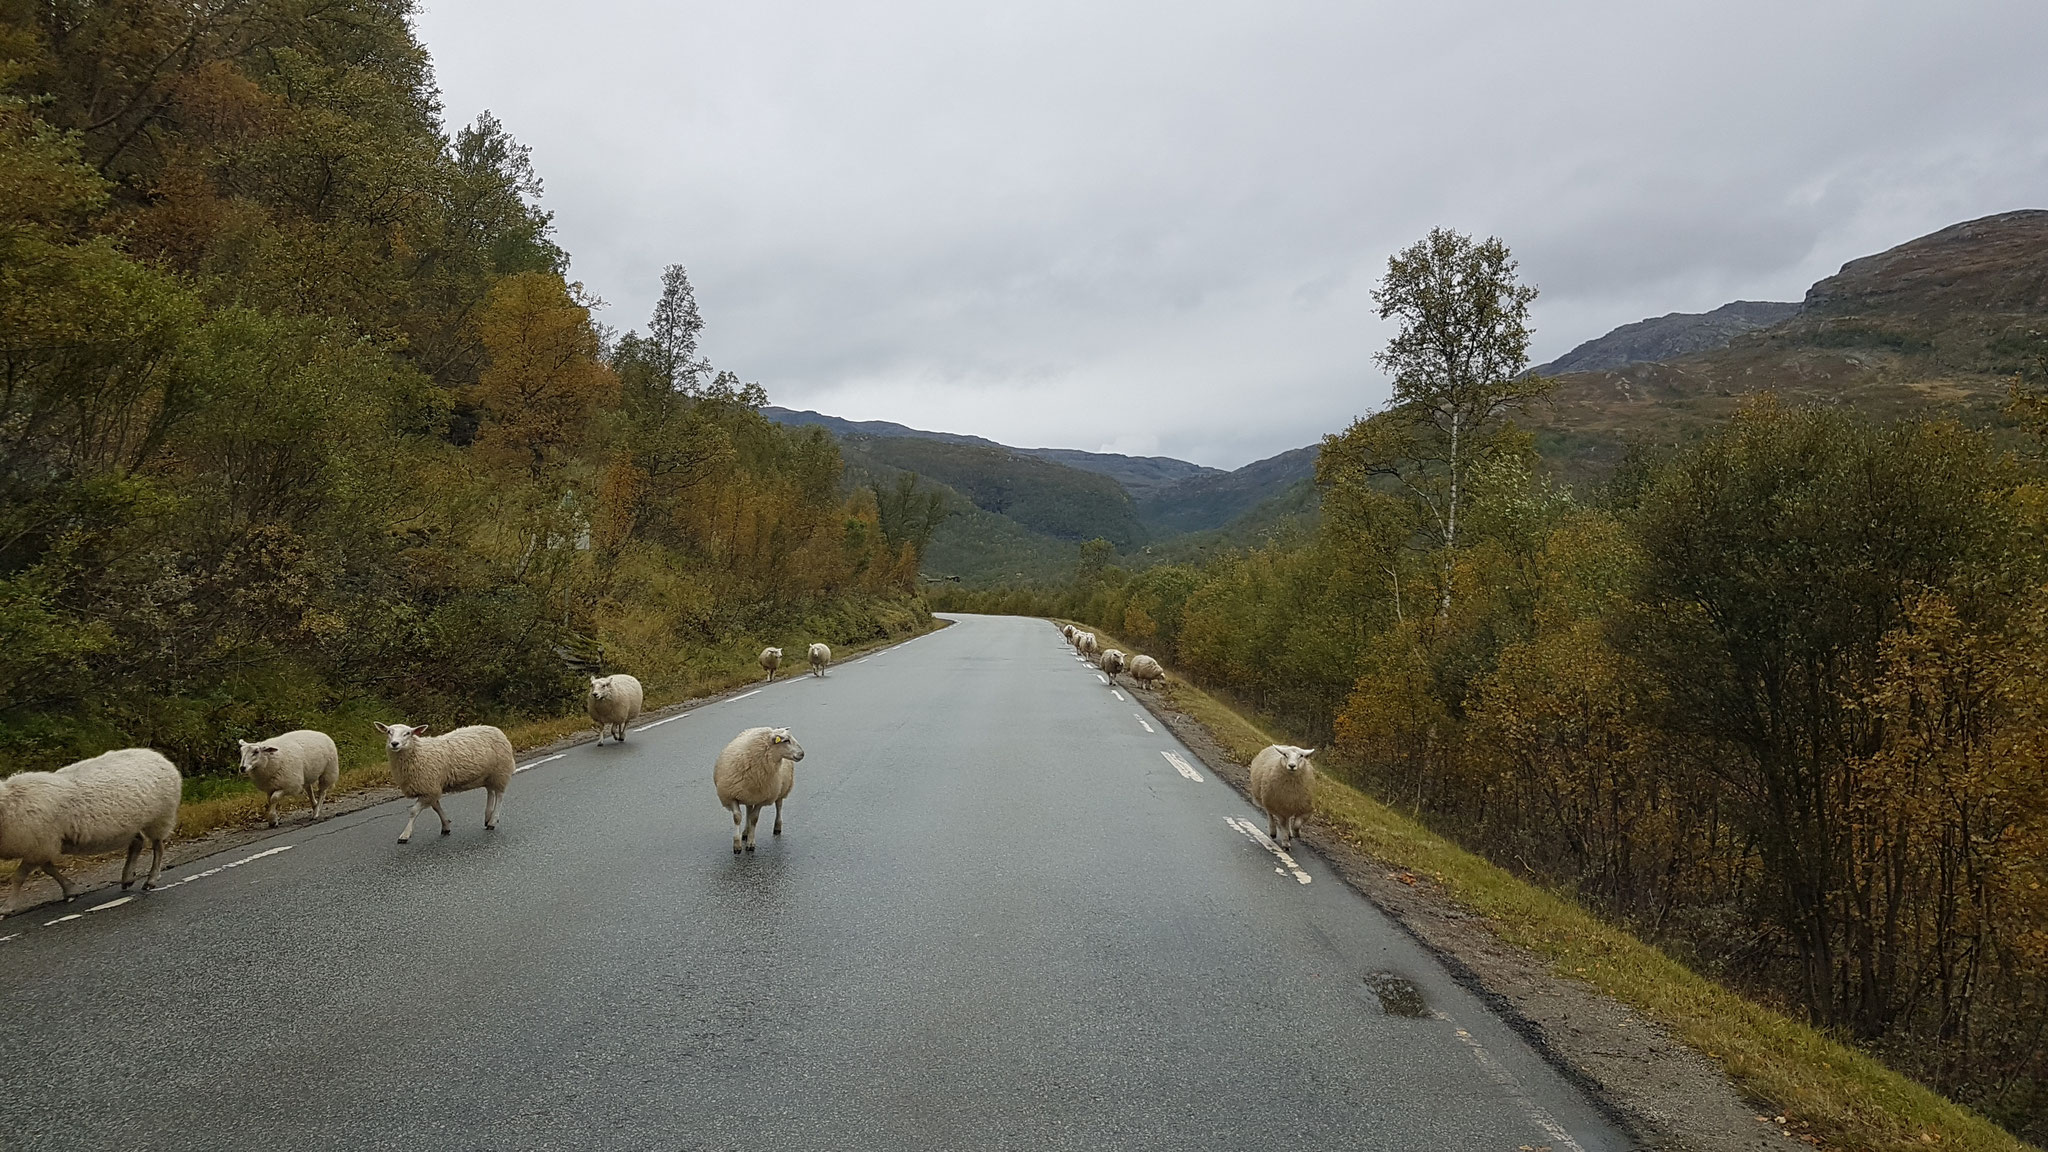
[(1845, 1098)]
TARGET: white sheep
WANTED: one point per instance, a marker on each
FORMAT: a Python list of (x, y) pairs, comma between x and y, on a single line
[(757, 769), (820, 656), (614, 702), (119, 799), (1283, 783), (771, 659), (1067, 631), (427, 767), (1146, 670), (1112, 662), (302, 761), (1086, 644)]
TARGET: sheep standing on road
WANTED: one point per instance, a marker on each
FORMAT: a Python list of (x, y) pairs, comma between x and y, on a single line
[(1085, 644), (119, 799), (1146, 671), (820, 656), (614, 702), (302, 761), (1112, 662), (757, 769), (1283, 783), (771, 659), (1067, 631), (427, 767)]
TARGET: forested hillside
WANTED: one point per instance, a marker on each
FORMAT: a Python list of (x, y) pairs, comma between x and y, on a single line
[(1775, 698), (302, 424)]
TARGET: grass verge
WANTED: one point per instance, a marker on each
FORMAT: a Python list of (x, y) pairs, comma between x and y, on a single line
[(1835, 1094)]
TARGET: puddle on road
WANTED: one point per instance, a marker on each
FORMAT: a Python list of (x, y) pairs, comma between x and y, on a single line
[(1398, 995)]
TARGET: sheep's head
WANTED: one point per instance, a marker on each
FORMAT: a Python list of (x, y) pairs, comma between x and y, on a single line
[(600, 687), (780, 740), (401, 737), (254, 754), (1295, 758), (771, 653)]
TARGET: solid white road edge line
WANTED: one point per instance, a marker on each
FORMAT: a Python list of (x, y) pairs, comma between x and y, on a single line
[(224, 867), (744, 695), (1142, 720), (1252, 830), (1535, 1112), (544, 760), (1182, 766)]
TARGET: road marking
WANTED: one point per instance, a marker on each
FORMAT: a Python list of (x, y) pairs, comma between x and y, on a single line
[(538, 763), (61, 919), (1506, 1079), (218, 868), (1252, 830), (1115, 693), (744, 695), (110, 904), (11, 936), (1141, 720), (1182, 766), (863, 659), (1101, 677), (664, 720)]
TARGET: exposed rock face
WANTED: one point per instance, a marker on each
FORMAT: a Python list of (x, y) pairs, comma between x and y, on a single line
[(1670, 336)]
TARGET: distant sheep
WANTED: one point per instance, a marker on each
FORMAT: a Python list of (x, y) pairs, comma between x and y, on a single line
[(771, 659), (820, 656), (1112, 662), (427, 767), (614, 702), (1283, 784), (120, 799), (1067, 631), (757, 769), (299, 762), (1145, 670), (1086, 645)]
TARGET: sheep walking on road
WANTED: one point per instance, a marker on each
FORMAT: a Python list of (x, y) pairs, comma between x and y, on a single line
[(121, 799), (820, 656), (1086, 645), (1067, 632), (771, 659), (1146, 671), (614, 702), (757, 769), (302, 761), (1112, 662), (425, 768), (1283, 783)]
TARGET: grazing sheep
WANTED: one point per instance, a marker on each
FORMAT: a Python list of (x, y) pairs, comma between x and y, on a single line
[(302, 761), (614, 702), (820, 656), (1085, 643), (1146, 670), (1112, 662), (1283, 783), (119, 799), (757, 769), (427, 767), (1067, 631), (771, 659)]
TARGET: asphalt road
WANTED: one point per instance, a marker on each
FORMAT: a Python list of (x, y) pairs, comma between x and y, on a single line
[(999, 917)]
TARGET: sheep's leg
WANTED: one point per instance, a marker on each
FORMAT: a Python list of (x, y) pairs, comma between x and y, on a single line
[(270, 809), (1272, 826), (63, 883), (21, 872), (410, 817), (319, 796), (778, 817), (134, 854), (735, 829), (753, 820), (491, 798), (156, 861), (447, 825)]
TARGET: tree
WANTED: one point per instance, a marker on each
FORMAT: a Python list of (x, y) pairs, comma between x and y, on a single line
[(908, 515), (672, 332), (545, 383), (1457, 363)]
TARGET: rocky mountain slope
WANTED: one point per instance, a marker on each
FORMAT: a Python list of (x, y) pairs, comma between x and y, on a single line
[(1670, 336)]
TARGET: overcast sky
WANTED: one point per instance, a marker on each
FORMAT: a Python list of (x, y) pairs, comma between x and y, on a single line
[(1155, 227)]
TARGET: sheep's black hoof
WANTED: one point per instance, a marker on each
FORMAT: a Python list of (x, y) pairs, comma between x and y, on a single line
[(735, 849), (127, 884), (778, 831), (446, 831), (750, 847)]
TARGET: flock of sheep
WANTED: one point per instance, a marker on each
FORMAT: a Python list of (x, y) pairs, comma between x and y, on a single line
[(1282, 779)]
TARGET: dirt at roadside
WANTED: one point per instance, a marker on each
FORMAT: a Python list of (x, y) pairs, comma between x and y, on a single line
[(1663, 1093)]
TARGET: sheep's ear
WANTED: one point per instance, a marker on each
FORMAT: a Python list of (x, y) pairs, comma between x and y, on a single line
[(382, 727), (1308, 752), (268, 748), (777, 738), (421, 730)]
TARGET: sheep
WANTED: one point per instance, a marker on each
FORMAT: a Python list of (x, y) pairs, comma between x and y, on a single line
[(1086, 644), (426, 767), (1067, 631), (614, 702), (771, 659), (299, 761), (1112, 662), (757, 769), (1283, 783), (124, 798), (1146, 670), (820, 656)]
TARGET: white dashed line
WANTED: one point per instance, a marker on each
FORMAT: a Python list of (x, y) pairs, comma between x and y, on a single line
[(1252, 830), (11, 936), (664, 720), (863, 659), (744, 695), (1142, 720), (1101, 677), (1182, 766), (539, 762), (1543, 1120), (218, 868), (110, 904), (61, 919), (1115, 693)]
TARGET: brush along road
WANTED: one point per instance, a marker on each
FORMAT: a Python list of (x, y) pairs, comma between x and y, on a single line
[(1000, 915)]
